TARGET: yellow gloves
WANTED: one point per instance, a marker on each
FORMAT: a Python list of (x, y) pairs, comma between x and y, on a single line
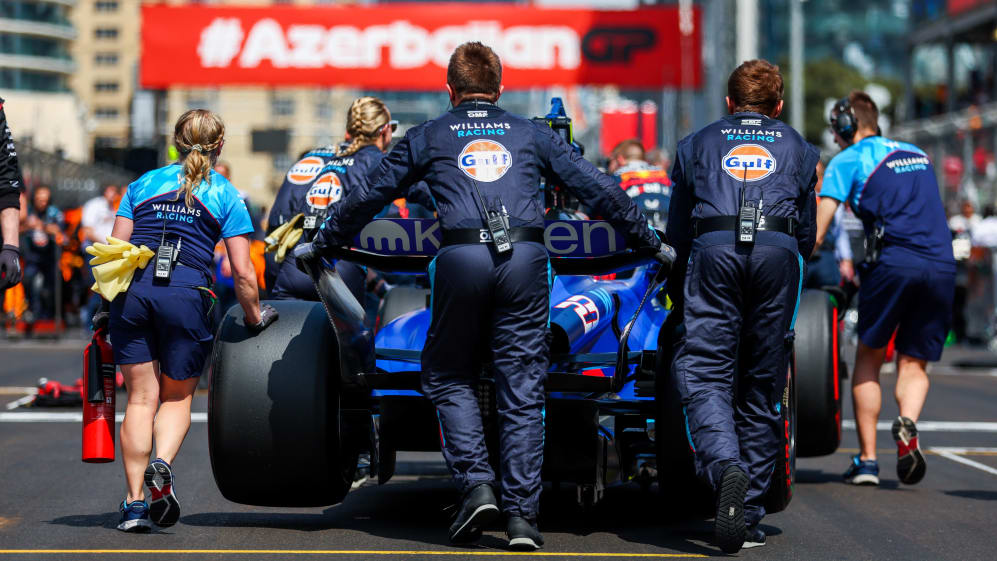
[(284, 237), (114, 265)]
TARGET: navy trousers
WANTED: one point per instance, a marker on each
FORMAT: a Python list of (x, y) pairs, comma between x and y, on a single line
[(489, 306), (732, 364)]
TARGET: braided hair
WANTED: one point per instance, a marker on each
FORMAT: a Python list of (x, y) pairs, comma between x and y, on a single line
[(197, 135), (366, 118)]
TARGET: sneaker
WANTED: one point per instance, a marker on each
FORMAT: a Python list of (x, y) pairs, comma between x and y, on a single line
[(523, 534), (134, 517), (728, 527), (164, 506), (478, 509), (754, 537), (862, 472), (910, 460)]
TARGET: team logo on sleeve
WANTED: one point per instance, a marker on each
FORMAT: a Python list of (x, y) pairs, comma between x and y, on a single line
[(749, 162), (326, 190), (484, 160), (305, 170)]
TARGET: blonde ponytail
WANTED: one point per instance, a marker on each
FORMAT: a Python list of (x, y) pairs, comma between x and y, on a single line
[(197, 135), (366, 118)]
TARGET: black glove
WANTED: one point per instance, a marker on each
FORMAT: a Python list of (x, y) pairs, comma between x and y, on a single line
[(101, 317), (268, 315), (666, 256), (10, 266)]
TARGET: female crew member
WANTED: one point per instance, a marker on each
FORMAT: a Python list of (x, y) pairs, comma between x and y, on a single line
[(160, 328), (320, 179)]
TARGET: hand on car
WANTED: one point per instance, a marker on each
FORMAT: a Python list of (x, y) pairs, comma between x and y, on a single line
[(666, 256)]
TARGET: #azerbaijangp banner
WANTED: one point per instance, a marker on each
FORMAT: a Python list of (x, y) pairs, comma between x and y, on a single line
[(407, 46)]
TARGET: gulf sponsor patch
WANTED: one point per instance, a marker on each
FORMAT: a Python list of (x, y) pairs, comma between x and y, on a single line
[(749, 162), (305, 170), (484, 160), (326, 190)]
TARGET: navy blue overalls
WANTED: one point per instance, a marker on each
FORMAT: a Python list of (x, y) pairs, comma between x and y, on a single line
[(487, 304), (169, 322), (739, 301)]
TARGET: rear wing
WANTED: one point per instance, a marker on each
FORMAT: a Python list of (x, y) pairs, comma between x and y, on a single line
[(576, 247)]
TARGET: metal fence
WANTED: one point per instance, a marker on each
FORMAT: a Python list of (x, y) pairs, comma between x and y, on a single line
[(72, 183)]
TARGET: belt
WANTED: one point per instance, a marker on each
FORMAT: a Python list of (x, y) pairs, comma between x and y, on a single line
[(459, 236), (731, 223)]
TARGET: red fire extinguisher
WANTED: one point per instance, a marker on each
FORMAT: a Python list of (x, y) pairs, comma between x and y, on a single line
[(98, 402)]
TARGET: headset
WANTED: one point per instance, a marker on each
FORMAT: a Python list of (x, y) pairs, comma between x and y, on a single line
[(843, 120)]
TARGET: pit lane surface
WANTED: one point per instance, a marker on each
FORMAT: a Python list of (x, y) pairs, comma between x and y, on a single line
[(51, 501)]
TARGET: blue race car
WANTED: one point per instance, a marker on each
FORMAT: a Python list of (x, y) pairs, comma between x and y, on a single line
[(296, 405)]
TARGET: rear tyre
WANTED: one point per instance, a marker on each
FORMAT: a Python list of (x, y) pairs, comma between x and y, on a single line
[(818, 375), (784, 474), (274, 411)]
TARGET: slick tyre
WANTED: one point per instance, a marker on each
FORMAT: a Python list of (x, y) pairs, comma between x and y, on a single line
[(399, 301), (677, 480), (274, 411), (818, 375), (780, 491)]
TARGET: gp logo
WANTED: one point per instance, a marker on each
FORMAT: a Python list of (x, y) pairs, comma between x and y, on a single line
[(305, 170), (326, 190), (749, 162), (484, 160)]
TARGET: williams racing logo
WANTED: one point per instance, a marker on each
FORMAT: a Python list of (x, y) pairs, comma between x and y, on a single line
[(305, 170), (484, 160), (327, 189), (749, 162)]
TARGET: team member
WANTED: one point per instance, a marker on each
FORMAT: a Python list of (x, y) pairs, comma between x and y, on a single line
[(10, 205), (908, 277), (832, 261), (742, 212), (160, 328), (646, 184), (478, 159), (319, 180)]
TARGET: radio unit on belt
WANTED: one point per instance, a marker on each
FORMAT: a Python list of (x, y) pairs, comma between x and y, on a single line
[(166, 256)]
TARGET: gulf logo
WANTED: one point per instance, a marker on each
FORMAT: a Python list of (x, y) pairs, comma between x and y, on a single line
[(326, 190), (305, 170), (484, 160), (749, 162)]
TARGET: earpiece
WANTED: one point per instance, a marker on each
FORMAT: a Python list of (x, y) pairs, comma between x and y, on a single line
[(843, 120)]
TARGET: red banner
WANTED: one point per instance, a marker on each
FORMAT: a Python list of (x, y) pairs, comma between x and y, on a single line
[(407, 46)]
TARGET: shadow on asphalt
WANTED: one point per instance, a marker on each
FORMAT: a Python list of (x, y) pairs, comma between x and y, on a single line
[(105, 520), (418, 511), (978, 495), (816, 476)]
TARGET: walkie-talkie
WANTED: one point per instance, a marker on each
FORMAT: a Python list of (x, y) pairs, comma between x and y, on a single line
[(747, 216), (498, 227)]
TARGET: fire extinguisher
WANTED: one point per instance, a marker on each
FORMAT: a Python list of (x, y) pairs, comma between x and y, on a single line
[(98, 402)]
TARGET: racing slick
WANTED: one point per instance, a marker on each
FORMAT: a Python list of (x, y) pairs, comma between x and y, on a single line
[(908, 275), (10, 204), (490, 280), (646, 184), (742, 213)]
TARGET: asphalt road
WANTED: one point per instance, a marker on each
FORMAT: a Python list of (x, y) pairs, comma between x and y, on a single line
[(52, 506)]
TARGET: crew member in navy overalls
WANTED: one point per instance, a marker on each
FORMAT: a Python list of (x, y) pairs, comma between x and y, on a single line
[(742, 213), (908, 275), (160, 328), (10, 208), (488, 300)]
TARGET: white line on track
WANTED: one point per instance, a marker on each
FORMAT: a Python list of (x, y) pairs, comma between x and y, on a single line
[(934, 426), (69, 417), (953, 454)]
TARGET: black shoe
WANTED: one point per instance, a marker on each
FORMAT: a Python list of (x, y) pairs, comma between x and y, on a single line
[(910, 461), (478, 509), (729, 529), (523, 534), (164, 506), (754, 537)]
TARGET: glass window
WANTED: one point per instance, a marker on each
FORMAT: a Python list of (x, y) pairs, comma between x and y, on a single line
[(106, 87), (282, 106), (105, 59), (106, 113), (106, 32), (281, 163), (323, 109), (106, 6)]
